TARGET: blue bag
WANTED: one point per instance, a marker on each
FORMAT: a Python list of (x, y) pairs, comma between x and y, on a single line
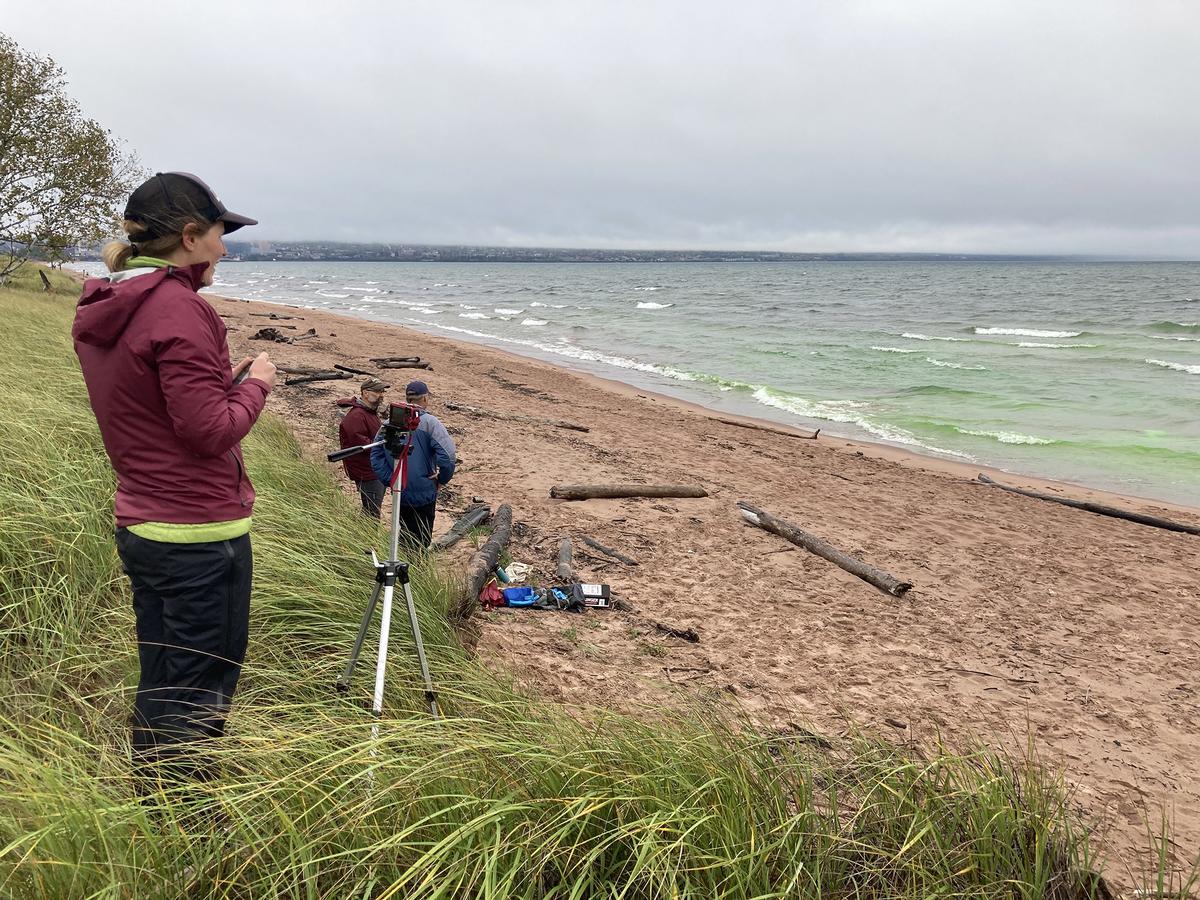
[(520, 596)]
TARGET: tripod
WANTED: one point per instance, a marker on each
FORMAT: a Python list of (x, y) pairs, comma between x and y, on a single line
[(389, 572)]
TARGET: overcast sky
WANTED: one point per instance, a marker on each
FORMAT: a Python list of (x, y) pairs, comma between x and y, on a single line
[(933, 125)]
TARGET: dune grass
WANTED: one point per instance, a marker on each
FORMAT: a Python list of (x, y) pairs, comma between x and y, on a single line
[(505, 797)]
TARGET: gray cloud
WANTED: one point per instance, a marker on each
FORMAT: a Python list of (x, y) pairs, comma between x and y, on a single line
[(918, 125)]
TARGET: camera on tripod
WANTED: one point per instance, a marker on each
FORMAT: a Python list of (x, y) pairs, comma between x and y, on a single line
[(402, 420)]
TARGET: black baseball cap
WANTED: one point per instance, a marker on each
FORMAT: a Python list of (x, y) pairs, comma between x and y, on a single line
[(153, 203)]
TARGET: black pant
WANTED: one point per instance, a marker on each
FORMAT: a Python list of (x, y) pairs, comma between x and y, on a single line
[(416, 524), (192, 603), (371, 493)]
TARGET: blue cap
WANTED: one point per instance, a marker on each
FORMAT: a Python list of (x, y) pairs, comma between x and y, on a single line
[(416, 389)]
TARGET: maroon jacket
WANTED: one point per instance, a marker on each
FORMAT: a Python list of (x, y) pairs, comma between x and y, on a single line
[(156, 362), (359, 426)]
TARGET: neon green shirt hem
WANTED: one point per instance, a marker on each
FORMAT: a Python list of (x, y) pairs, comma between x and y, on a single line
[(176, 533)]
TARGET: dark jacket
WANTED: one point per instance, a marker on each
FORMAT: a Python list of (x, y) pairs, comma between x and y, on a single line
[(358, 427), (156, 362), (432, 448)]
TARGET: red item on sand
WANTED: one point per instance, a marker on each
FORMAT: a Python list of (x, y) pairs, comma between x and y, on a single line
[(490, 597)]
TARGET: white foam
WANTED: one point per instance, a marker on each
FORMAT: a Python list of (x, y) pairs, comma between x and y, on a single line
[(332, 296), (1157, 337), (533, 322), (647, 288), (895, 350), (654, 305), (508, 312), (1053, 346), (950, 365), (1007, 437), (474, 316), (538, 303), (844, 411), (1029, 332), (468, 306), (1178, 367), (926, 337), (315, 282)]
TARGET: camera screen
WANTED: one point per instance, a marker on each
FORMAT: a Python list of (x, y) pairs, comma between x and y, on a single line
[(402, 415)]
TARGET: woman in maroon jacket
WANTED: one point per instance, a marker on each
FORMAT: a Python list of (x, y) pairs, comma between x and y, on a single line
[(172, 413)]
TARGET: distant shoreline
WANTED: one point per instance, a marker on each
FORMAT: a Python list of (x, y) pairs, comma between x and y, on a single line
[(323, 251)]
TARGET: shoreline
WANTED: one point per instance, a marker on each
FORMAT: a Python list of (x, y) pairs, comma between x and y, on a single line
[(895, 453)]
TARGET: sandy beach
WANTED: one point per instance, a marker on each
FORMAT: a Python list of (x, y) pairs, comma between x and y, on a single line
[(1028, 621)]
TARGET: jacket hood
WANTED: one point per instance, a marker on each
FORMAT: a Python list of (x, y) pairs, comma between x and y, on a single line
[(109, 302), (347, 401)]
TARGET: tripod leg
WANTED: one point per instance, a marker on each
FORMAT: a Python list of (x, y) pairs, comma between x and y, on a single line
[(343, 684), (430, 694), (385, 623)]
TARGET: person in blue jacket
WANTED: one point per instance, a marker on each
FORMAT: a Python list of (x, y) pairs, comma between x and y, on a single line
[(431, 464)]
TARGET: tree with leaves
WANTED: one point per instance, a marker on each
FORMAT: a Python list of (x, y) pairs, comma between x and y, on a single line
[(63, 177)]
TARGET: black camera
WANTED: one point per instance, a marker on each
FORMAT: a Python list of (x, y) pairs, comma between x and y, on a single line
[(402, 421)]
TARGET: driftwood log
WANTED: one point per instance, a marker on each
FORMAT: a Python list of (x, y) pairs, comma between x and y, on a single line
[(608, 551), (791, 434), (318, 376), (688, 634), (277, 316), (474, 515), (300, 370), (46, 287), (401, 362), (311, 333), (513, 417), (483, 561), (814, 544), (596, 491), (565, 571), (270, 334), (1098, 508), (353, 371)]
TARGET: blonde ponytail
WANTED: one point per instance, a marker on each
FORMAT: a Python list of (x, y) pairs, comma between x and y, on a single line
[(116, 254)]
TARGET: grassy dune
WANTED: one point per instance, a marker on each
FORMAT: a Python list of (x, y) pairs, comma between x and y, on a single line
[(506, 797)]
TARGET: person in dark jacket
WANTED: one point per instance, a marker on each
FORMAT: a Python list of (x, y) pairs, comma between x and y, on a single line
[(431, 462), (172, 413), (359, 426)]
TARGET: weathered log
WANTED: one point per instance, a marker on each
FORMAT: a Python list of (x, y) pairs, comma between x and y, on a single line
[(300, 370), (791, 434), (311, 333), (319, 376), (594, 491), (384, 359), (615, 554), (473, 516), (513, 417), (388, 364), (814, 544), (483, 561), (277, 316), (270, 334), (352, 371), (46, 286), (1098, 508), (565, 572), (688, 634)]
